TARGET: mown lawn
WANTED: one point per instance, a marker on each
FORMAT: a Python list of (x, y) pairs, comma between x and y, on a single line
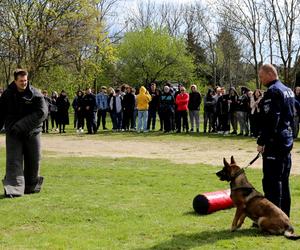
[(131, 203)]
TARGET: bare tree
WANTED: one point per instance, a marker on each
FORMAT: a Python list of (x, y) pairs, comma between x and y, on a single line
[(286, 15), (245, 17)]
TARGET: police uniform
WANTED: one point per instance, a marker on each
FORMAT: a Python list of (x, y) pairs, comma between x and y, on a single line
[(23, 114), (277, 137)]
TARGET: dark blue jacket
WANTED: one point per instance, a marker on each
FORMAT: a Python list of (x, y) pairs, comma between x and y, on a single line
[(278, 117)]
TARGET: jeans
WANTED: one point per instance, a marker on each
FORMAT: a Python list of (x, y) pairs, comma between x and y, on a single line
[(142, 119), (194, 116)]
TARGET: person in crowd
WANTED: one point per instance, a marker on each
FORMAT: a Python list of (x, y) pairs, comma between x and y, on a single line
[(217, 115), (46, 121), (161, 121), (53, 111), (116, 107), (128, 109), (182, 101), (233, 98), (223, 113), (135, 111), (75, 107), (166, 107), (102, 106), (297, 112), (175, 120), (194, 107), (142, 103), (209, 111), (23, 110), (243, 106), (90, 109), (276, 138), (78, 105), (255, 114), (153, 107), (63, 106), (110, 94)]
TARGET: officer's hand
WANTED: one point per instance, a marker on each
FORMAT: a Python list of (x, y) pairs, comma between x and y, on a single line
[(260, 149)]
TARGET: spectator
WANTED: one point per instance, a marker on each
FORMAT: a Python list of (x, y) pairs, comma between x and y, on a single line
[(297, 112), (102, 106), (128, 109), (53, 111), (255, 115), (153, 107), (243, 105), (182, 101), (194, 107), (209, 110), (142, 103), (90, 109), (63, 105), (166, 106), (46, 121), (223, 113), (233, 98), (116, 107), (79, 110)]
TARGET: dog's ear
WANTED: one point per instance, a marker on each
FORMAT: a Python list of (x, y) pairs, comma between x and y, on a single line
[(232, 160), (226, 164)]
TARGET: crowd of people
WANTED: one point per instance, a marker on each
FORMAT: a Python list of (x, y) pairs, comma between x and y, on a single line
[(232, 111)]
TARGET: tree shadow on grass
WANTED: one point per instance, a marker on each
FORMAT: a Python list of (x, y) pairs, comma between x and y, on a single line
[(209, 237)]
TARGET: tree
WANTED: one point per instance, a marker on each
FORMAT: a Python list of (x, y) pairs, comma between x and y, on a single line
[(229, 54), (148, 55), (38, 34)]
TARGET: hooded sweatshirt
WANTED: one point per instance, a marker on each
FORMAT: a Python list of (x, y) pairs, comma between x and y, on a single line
[(143, 99)]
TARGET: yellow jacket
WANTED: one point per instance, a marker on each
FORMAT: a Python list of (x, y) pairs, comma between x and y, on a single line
[(143, 99)]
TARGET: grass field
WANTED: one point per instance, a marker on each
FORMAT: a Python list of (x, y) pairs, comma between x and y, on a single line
[(128, 203)]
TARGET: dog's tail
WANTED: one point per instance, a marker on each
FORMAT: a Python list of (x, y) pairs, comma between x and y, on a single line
[(289, 234)]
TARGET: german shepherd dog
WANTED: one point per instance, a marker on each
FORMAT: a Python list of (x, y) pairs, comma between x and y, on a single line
[(250, 203)]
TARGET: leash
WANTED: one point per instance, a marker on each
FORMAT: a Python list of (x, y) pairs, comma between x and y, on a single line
[(251, 162)]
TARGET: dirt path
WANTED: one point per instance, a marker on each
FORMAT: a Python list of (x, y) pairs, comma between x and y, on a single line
[(210, 151)]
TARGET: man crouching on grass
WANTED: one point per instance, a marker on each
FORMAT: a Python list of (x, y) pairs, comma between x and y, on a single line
[(22, 111)]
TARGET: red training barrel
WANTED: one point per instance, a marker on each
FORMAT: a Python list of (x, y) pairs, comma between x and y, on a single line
[(213, 201)]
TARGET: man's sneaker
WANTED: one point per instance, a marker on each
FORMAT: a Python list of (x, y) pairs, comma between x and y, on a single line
[(192, 130)]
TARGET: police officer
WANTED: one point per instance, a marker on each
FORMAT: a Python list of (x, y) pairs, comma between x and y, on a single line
[(23, 110), (276, 139)]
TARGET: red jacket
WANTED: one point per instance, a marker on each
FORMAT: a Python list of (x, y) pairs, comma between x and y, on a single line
[(182, 101)]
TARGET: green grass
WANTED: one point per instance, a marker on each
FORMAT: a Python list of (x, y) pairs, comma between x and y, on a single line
[(128, 203)]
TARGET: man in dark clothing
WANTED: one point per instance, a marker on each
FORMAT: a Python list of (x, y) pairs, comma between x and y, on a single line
[(153, 107), (276, 139), (166, 106), (194, 107), (22, 110), (90, 111), (128, 105)]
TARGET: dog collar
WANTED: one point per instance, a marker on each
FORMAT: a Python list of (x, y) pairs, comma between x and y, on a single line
[(241, 171)]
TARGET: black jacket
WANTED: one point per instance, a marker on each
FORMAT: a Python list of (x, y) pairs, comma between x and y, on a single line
[(22, 112), (194, 101)]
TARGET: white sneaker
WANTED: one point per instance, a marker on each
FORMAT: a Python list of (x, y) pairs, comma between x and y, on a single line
[(78, 131)]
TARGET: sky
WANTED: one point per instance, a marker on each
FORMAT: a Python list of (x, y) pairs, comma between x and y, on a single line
[(126, 7)]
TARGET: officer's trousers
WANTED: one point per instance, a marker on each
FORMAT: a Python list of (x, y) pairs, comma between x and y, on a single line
[(276, 170), (22, 164)]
